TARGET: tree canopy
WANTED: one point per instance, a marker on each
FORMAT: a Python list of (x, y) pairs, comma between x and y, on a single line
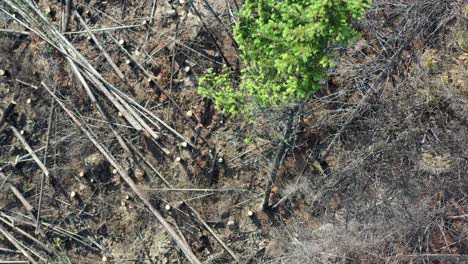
[(287, 47)]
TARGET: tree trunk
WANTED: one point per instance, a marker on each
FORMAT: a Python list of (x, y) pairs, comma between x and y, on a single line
[(280, 155), (67, 14)]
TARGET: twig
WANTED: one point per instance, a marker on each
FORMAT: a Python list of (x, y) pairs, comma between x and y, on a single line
[(55, 38), (15, 243), (199, 218), (31, 152), (98, 106), (100, 30), (233, 255), (24, 233), (9, 31), (26, 156), (153, 11), (29, 208), (67, 13), (4, 181), (150, 76), (246, 152), (27, 84), (58, 230), (41, 191), (154, 117), (101, 48), (210, 34), (457, 216), (10, 251), (29, 249), (229, 33), (193, 190)]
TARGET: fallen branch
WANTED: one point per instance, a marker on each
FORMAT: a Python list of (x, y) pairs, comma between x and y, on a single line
[(54, 228), (26, 234), (15, 243), (100, 30), (41, 190), (67, 14), (199, 218), (9, 31), (193, 190), (30, 151), (122, 172), (207, 227), (29, 208)]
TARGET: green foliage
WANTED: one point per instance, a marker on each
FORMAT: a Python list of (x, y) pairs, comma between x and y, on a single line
[(287, 46), (218, 86)]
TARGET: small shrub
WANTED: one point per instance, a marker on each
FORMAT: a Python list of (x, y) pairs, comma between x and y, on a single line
[(287, 47), (218, 86)]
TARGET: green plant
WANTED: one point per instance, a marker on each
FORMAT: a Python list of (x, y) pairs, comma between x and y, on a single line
[(218, 86), (287, 47)]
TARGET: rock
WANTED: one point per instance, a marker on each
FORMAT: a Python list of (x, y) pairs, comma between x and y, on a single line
[(188, 82), (273, 249), (231, 224), (225, 212), (98, 166), (95, 160), (171, 13), (139, 173)]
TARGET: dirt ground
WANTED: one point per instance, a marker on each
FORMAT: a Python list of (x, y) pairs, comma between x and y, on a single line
[(376, 172)]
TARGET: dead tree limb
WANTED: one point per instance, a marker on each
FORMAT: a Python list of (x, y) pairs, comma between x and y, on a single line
[(198, 216), (41, 190), (153, 12), (15, 243), (279, 156), (26, 234), (101, 48), (195, 10), (67, 15), (31, 151), (59, 231), (122, 172), (29, 208), (207, 227), (213, 12)]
